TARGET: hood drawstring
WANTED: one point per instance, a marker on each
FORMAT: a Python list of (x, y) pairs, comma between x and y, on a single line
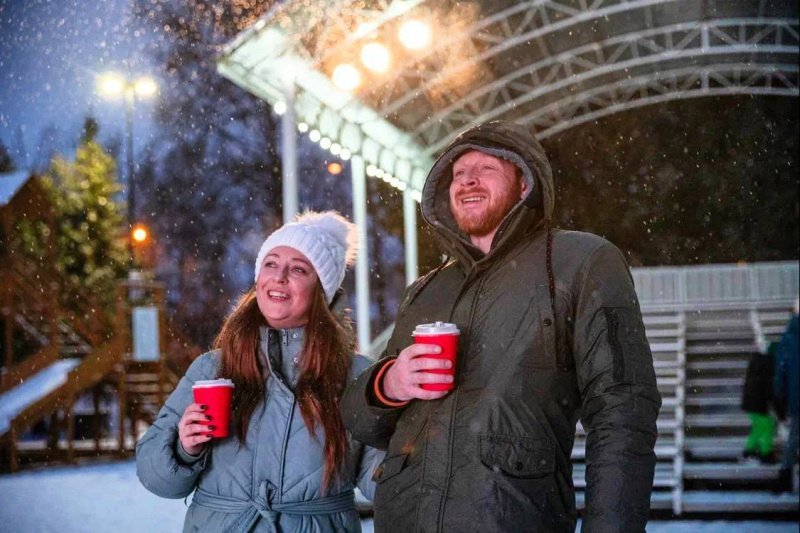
[(551, 279)]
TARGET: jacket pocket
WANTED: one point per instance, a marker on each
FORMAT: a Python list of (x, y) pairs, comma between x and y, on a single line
[(518, 456), (390, 467), (632, 361)]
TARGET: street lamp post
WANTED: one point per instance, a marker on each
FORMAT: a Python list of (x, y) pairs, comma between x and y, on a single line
[(112, 85)]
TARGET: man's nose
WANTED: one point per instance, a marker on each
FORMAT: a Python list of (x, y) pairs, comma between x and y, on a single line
[(468, 178)]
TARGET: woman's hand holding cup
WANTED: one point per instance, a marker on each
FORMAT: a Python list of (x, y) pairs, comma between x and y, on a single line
[(193, 429)]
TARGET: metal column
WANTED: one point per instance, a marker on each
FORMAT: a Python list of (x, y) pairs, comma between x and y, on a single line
[(359, 178), (410, 231), (289, 155)]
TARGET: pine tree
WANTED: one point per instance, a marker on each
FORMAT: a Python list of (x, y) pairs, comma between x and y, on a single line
[(89, 250)]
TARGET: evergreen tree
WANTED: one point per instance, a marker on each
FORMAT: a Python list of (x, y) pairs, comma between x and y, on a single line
[(89, 250)]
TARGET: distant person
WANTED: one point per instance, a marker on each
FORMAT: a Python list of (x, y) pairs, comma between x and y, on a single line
[(550, 331), (787, 382), (757, 398), (289, 464)]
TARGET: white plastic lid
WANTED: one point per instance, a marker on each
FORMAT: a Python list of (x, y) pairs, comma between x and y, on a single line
[(222, 382), (437, 328)]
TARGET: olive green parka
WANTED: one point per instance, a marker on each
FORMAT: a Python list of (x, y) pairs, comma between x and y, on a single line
[(551, 332)]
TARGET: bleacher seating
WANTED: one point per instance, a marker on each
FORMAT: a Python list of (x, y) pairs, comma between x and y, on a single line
[(700, 359)]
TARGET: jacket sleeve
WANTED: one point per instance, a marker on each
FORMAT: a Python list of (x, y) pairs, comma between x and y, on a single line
[(620, 400), (366, 420), (160, 465)]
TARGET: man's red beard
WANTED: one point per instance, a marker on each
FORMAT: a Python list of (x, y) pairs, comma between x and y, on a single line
[(483, 223)]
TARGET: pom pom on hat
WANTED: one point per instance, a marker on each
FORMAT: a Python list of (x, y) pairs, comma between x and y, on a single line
[(327, 239)]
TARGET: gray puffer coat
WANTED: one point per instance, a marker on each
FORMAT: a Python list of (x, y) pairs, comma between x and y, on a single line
[(494, 454), (272, 482)]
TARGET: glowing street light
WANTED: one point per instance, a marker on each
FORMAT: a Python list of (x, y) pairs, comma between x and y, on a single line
[(140, 233), (375, 57), (335, 168), (415, 34), (113, 85), (346, 77)]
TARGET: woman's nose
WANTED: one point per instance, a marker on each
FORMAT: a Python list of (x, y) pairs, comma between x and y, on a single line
[(282, 275)]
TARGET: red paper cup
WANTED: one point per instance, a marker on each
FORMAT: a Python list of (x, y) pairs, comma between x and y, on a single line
[(217, 395), (445, 335)]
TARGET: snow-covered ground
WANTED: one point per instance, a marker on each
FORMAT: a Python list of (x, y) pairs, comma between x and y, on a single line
[(108, 498)]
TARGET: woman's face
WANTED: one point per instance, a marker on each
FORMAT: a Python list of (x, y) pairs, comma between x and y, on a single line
[(285, 288)]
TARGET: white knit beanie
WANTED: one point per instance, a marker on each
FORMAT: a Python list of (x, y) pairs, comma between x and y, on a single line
[(327, 240)]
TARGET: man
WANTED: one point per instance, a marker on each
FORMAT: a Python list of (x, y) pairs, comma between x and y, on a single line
[(550, 328)]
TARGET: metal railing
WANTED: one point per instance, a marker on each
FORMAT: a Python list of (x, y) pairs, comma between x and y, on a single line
[(717, 285)]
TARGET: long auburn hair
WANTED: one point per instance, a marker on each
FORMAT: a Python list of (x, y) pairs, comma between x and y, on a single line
[(325, 359)]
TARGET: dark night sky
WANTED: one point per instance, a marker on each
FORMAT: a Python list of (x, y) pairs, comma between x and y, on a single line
[(50, 55)]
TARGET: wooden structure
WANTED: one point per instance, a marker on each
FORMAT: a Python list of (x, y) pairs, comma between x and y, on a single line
[(58, 354)]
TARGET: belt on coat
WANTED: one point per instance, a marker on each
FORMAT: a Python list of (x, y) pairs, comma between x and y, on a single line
[(260, 507)]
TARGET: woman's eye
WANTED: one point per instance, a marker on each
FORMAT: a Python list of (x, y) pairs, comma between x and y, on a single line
[(269, 264), (300, 270)]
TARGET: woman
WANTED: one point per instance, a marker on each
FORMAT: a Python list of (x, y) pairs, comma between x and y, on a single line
[(288, 464)]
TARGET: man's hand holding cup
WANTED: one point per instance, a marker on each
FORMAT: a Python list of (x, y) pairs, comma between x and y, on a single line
[(425, 370)]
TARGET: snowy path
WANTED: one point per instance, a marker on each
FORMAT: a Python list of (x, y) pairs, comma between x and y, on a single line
[(107, 497)]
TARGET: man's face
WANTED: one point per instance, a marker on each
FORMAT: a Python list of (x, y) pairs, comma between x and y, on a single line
[(483, 191)]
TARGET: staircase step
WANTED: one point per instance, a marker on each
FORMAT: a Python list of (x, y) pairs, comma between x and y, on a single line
[(738, 420), (734, 472), (719, 364), (714, 448), (721, 349), (737, 382), (739, 502), (141, 377), (713, 400)]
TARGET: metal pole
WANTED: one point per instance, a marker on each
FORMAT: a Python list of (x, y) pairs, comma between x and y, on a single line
[(129, 98), (359, 178), (289, 155), (410, 230)]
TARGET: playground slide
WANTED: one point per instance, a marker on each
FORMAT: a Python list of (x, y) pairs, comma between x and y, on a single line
[(36, 387)]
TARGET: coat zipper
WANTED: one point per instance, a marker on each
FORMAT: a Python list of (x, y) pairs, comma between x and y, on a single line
[(451, 429)]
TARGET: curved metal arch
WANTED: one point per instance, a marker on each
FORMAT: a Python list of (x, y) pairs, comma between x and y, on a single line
[(622, 54), (510, 38), (712, 80), (573, 66)]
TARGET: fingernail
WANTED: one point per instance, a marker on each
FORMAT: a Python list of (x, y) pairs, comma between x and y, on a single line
[(448, 364)]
